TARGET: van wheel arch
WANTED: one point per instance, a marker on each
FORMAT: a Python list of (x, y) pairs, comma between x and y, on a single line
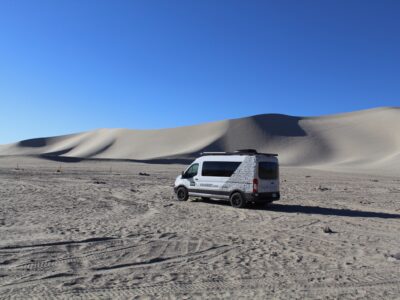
[(183, 189), (236, 191), (237, 199)]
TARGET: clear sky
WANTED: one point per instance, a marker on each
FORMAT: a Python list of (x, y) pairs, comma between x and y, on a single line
[(76, 65)]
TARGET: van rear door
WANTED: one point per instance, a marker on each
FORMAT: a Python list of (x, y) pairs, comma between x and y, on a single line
[(268, 176)]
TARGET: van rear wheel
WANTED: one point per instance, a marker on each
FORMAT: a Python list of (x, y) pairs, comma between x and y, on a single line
[(182, 194), (237, 200)]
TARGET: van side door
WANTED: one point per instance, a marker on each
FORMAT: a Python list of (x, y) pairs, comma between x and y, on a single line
[(214, 175)]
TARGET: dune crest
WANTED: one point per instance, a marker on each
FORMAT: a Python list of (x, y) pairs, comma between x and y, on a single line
[(367, 139)]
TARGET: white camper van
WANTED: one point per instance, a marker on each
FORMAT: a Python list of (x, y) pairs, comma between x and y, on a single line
[(243, 176)]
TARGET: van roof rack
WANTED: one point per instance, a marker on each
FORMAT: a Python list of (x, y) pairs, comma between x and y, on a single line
[(239, 152), (254, 151)]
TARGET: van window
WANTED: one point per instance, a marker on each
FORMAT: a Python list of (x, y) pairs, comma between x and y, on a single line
[(268, 170), (219, 168), (192, 171)]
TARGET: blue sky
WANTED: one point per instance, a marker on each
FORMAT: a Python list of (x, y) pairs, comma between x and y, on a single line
[(75, 65)]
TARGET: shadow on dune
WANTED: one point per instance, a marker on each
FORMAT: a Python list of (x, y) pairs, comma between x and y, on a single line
[(61, 158), (279, 125), (255, 132), (265, 127), (34, 143), (166, 161), (57, 155), (312, 210)]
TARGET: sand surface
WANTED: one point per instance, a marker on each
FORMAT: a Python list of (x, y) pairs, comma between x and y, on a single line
[(366, 141), (98, 229)]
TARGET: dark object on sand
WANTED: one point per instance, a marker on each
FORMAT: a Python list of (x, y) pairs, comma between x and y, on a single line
[(144, 174), (396, 256), (99, 182), (323, 189), (326, 229)]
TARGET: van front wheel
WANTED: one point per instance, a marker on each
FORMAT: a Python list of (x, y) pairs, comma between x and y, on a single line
[(237, 200), (182, 194)]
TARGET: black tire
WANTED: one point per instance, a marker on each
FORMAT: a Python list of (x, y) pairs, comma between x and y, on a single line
[(237, 200), (182, 193)]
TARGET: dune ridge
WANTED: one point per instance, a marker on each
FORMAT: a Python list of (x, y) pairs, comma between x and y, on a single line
[(367, 139)]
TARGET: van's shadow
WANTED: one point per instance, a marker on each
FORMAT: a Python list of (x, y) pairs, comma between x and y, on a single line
[(316, 210)]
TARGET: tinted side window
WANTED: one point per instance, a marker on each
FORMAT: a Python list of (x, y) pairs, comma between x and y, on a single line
[(219, 168), (268, 170), (192, 171)]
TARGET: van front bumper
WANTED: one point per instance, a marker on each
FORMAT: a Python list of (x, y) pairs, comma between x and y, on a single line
[(262, 197)]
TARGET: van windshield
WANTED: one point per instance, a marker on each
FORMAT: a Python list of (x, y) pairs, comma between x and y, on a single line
[(192, 171), (219, 168), (268, 170)]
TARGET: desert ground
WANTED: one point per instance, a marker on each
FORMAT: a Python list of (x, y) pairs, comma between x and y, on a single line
[(99, 229)]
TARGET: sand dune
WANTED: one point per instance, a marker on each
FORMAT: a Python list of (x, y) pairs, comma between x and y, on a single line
[(360, 140)]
